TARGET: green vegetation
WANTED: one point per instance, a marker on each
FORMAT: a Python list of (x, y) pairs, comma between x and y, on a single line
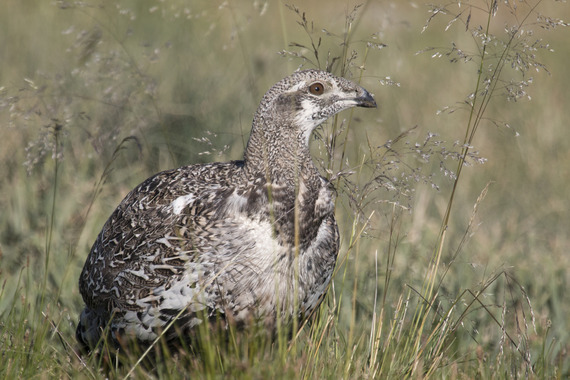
[(449, 268)]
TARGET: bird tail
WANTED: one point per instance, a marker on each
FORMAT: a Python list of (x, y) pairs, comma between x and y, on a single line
[(89, 330)]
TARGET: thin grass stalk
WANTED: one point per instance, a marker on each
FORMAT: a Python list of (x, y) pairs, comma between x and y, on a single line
[(477, 110), (308, 372), (245, 55), (374, 337), (284, 32), (352, 323), (350, 116), (420, 315), (51, 224), (138, 71), (475, 116), (377, 325)]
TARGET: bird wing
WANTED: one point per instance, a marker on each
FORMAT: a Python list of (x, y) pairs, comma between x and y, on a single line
[(153, 235)]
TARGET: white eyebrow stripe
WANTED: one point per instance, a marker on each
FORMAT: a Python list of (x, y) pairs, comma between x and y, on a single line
[(296, 87)]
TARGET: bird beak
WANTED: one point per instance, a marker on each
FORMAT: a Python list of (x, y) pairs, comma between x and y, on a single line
[(364, 99)]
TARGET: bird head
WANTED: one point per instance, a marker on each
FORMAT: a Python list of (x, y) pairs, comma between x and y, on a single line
[(305, 99), (291, 110)]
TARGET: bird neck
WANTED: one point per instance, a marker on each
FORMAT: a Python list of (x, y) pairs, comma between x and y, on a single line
[(283, 163), (280, 155)]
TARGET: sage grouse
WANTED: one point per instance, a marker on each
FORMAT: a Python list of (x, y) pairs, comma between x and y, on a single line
[(251, 240)]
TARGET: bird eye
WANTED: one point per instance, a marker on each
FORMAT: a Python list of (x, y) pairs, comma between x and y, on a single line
[(317, 88)]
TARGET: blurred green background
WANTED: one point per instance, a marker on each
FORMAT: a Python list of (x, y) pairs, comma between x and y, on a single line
[(184, 79)]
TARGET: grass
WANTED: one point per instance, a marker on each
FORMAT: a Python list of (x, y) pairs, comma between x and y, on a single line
[(452, 196)]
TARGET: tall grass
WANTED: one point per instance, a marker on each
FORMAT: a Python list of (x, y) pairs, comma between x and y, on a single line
[(418, 290)]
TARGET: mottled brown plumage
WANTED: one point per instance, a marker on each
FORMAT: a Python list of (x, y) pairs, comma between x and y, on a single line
[(245, 240)]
